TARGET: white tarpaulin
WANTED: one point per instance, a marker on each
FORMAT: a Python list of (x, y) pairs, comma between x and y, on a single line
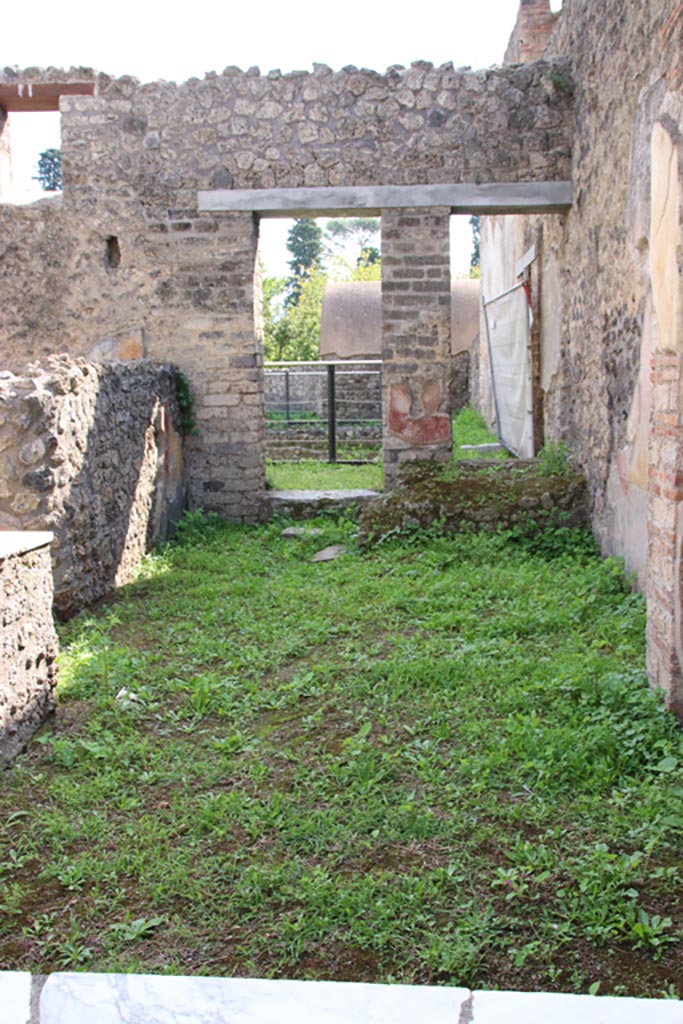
[(507, 322)]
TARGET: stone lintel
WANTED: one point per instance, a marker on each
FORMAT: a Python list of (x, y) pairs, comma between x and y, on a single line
[(488, 198)]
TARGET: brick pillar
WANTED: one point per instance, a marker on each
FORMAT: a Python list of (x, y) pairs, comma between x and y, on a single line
[(416, 336), (212, 328)]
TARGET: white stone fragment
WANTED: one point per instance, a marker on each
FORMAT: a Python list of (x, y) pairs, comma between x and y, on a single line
[(15, 997), (300, 532), (560, 1008), (129, 999), (330, 553)]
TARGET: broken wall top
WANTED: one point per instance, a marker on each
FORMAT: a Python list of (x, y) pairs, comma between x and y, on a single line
[(416, 125)]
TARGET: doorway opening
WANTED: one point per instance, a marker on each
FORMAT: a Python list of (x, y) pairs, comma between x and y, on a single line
[(322, 348)]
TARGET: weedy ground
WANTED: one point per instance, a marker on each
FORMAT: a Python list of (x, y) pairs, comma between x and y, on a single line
[(433, 761)]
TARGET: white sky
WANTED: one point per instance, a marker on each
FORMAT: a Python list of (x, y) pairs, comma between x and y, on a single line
[(151, 40)]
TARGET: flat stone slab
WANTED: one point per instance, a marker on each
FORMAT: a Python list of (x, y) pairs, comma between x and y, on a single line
[(489, 446), (301, 532), (329, 554), (335, 201), (560, 1008), (18, 542), (15, 997), (133, 999), (80, 998), (308, 504)]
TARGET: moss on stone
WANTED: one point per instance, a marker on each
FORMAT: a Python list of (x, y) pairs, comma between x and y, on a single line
[(472, 495)]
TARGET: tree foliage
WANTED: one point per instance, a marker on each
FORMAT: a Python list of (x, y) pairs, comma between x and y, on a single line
[(292, 306), (363, 231), (292, 331), (474, 258), (305, 246), (50, 170)]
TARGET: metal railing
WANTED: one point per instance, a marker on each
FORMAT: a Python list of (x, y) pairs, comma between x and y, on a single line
[(328, 411)]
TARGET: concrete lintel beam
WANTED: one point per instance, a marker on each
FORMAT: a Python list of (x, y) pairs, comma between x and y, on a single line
[(489, 198)]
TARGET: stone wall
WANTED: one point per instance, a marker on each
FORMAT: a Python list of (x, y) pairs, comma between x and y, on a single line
[(608, 383), (93, 453), (29, 643), (591, 265), (123, 266)]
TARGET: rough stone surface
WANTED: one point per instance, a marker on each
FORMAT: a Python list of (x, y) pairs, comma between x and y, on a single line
[(301, 532), (476, 496), (330, 553), (309, 504), (93, 453), (28, 647)]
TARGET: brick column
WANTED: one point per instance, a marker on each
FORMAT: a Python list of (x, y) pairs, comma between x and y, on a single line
[(416, 336), (210, 326)]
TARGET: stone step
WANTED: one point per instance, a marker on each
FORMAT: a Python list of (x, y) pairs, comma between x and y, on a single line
[(308, 504), (82, 998)]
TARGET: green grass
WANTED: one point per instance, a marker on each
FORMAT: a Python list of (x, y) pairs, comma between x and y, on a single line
[(310, 475), (436, 761), (469, 428)]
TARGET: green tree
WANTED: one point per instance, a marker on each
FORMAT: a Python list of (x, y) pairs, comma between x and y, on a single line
[(50, 170), (292, 331), (275, 328), (304, 243), (364, 231), (474, 258), (352, 244)]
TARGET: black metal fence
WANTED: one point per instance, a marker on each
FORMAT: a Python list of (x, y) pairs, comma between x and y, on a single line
[(329, 411)]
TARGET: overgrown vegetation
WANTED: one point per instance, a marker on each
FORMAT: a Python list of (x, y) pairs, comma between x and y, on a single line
[(188, 424), (309, 474), (436, 761)]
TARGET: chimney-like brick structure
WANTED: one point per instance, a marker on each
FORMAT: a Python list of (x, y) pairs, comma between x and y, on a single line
[(535, 22)]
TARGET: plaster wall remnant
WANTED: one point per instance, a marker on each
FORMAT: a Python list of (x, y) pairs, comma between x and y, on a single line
[(93, 453), (610, 385), (29, 642)]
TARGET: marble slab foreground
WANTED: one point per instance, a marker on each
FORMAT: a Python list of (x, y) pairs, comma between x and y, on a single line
[(558, 1008), (146, 999), (15, 997)]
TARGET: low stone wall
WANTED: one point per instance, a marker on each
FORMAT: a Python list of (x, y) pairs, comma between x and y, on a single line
[(29, 642), (94, 453), (477, 496)]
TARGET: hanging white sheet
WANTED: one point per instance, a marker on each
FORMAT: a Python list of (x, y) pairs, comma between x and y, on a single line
[(508, 321)]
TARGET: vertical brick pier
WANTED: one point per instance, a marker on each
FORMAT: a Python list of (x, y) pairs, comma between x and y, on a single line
[(416, 331)]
